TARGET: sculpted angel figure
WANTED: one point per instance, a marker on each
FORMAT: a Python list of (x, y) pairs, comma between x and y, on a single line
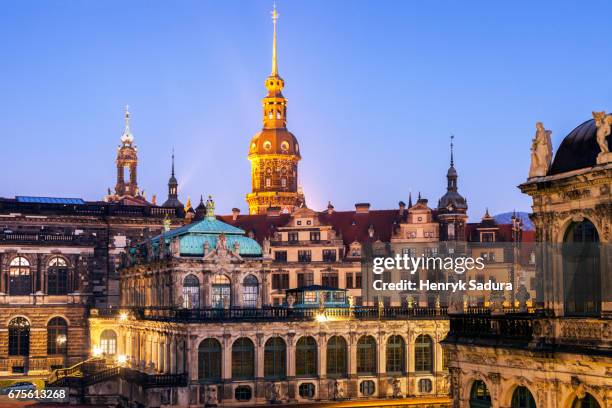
[(603, 123), (541, 151)]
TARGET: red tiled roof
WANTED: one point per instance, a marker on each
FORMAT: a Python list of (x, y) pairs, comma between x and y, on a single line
[(504, 232), (354, 226)]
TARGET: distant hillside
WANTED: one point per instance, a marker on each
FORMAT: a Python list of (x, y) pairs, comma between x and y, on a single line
[(506, 218)]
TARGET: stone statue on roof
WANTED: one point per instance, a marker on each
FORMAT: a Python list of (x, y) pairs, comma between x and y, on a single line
[(604, 126), (541, 152)]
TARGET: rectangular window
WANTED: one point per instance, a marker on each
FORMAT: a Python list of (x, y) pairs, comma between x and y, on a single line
[(292, 237), (280, 281), (358, 281), (487, 237), (329, 279), (310, 297), (349, 280), (280, 256), (329, 255), (315, 236), (386, 276), (304, 255), (305, 279)]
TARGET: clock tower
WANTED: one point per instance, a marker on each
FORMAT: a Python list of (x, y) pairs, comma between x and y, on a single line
[(274, 152)]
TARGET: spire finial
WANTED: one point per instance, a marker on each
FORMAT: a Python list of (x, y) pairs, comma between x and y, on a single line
[(172, 161), (127, 137), (274, 58), (451, 150)]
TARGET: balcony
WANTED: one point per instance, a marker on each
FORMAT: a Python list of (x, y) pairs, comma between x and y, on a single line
[(45, 239), (280, 313)]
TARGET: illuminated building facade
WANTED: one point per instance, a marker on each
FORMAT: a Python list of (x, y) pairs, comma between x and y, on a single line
[(274, 152), (239, 309), (559, 356)]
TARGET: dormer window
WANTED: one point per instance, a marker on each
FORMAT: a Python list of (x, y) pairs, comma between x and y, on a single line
[(487, 237)]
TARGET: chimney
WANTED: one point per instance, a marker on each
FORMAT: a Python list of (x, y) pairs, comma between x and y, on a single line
[(402, 208), (330, 208), (235, 213), (362, 208), (273, 211)]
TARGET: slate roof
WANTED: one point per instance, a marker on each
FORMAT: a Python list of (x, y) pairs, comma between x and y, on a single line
[(579, 149)]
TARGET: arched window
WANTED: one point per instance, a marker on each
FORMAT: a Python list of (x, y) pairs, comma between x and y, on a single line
[(19, 337), (306, 357), (336, 357), (366, 355), (582, 270), (479, 395), (423, 356), (522, 398), (243, 357), (57, 336), (20, 279), (209, 360), (57, 276), (396, 355), (191, 292), (587, 402), (108, 342), (221, 292), (275, 353), (250, 291)]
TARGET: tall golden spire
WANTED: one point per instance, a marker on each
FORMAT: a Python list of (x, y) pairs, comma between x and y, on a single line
[(274, 57)]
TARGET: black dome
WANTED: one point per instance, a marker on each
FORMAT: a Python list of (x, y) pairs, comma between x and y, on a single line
[(578, 150)]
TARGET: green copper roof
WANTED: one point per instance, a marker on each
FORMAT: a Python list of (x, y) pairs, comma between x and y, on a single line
[(194, 244), (208, 225), (193, 236)]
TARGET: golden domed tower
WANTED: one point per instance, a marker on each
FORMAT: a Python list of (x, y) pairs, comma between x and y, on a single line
[(274, 151)]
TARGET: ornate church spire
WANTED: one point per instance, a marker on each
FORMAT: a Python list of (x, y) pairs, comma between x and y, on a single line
[(127, 137), (127, 158), (452, 206), (274, 151), (451, 175), (172, 200), (452, 162), (274, 54)]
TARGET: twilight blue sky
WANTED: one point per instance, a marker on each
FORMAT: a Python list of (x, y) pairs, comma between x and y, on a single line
[(375, 89)]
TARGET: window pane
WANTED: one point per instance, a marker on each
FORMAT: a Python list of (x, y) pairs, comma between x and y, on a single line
[(275, 358), (336, 357), (209, 360), (243, 355), (306, 357), (366, 355)]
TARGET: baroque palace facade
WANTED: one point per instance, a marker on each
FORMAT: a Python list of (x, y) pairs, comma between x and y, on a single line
[(561, 355), (128, 302)]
